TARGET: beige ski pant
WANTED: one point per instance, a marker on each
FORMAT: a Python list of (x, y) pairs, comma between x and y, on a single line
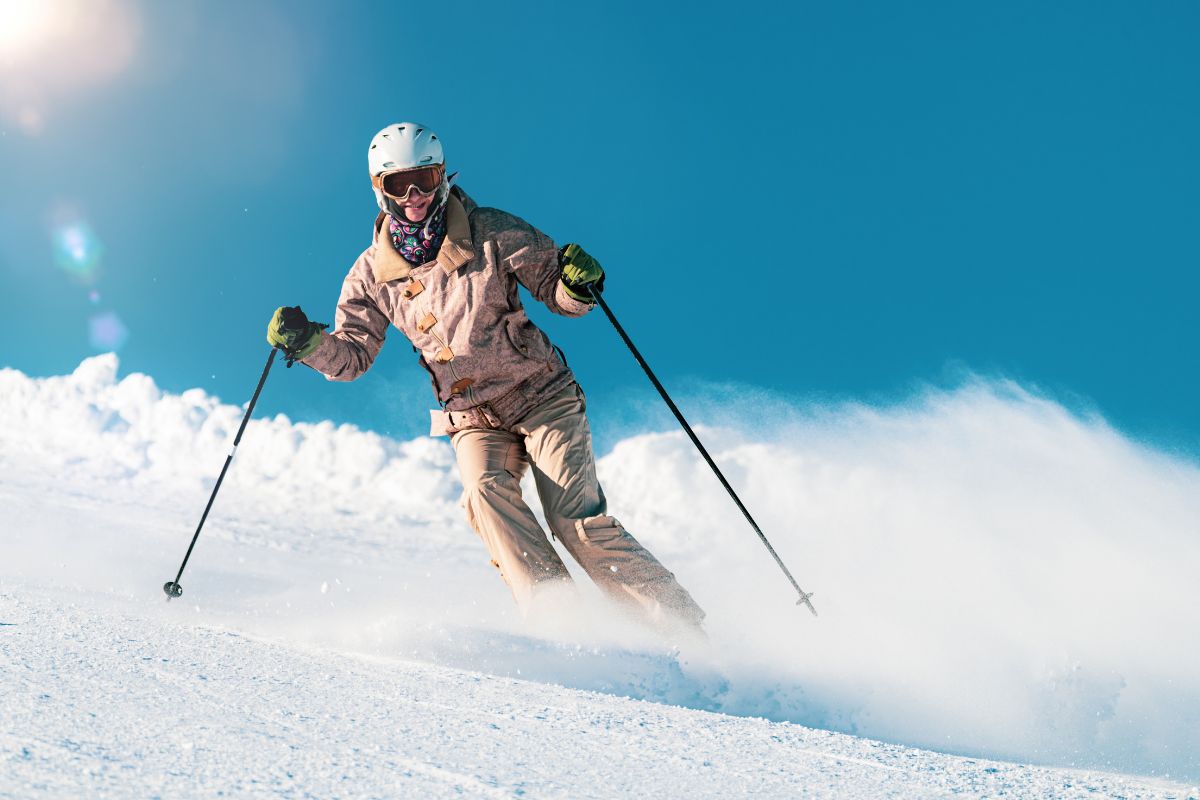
[(557, 441)]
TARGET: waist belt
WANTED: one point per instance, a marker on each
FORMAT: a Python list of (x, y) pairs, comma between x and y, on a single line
[(443, 422), (501, 412), (480, 416)]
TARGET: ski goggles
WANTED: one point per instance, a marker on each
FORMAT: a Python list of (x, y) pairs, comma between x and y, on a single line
[(399, 183)]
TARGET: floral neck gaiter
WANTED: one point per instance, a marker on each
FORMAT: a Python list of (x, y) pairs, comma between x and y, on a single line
[(419, 242)]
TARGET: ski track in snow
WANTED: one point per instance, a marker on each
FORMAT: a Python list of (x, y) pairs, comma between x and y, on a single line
[(121, 705), (344, 637)]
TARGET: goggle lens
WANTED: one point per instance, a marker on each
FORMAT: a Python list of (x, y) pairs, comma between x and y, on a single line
[(425, 179)]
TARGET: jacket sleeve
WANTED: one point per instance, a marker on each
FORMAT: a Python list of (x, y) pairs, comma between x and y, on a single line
[(359, 330), (533, 258)]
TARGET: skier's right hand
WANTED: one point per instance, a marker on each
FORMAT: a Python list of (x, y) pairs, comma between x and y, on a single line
[(292, 331)]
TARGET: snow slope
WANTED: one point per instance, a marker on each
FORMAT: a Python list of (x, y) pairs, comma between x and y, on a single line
[(964, 548), (108, 702)]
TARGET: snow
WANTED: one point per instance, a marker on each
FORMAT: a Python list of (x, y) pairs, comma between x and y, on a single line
[(141, 705), (997, 577)]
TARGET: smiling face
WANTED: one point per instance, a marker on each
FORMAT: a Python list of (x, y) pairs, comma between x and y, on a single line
[(416, 206), (411, 192)]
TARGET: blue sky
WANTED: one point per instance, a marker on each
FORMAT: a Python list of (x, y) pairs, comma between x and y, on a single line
[(833, 201)]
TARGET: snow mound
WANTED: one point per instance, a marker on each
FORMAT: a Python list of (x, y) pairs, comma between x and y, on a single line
[(996, 575), (92, 425)]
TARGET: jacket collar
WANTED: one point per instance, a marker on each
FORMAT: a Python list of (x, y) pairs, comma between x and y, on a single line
[(456, 249)]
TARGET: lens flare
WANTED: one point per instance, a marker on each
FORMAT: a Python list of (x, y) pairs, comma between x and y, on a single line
[(77, 251), (106, 332), (30, 120), (24, 25)]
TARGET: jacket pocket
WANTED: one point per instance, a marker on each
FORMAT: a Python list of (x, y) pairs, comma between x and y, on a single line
[(526, 339), (514, 336), (599, 530)]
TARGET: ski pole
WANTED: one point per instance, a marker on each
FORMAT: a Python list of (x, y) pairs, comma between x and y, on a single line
[(172, 588), (805, 598)]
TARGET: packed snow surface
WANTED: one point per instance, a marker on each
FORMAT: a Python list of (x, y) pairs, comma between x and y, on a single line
[(999, 579)]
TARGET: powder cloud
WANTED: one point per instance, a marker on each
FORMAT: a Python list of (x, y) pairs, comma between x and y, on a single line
[(995, 574)]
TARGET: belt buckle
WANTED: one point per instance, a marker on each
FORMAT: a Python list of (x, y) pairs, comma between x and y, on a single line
[(488, 415)]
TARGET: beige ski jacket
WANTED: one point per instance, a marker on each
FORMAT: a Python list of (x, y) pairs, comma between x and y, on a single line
[(490, 365)]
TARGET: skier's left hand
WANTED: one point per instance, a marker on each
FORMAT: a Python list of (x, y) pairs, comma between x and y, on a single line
[(578, 270), (292, 331)]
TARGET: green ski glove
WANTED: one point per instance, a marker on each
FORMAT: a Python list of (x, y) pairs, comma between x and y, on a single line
[(578, 270), (293, 332)]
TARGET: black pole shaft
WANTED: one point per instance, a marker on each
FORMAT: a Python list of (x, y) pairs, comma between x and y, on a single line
[(236, 440), (598, 297)]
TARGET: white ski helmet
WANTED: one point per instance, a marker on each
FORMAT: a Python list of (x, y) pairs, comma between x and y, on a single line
[(404, 145)]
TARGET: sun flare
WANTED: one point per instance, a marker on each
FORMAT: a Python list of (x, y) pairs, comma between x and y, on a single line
[(50, 49), (24, 25)]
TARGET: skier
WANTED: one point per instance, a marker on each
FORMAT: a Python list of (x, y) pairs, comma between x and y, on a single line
[(444, 271)]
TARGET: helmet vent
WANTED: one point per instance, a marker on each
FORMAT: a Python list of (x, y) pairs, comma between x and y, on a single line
[(385, 136), (374, 146)]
